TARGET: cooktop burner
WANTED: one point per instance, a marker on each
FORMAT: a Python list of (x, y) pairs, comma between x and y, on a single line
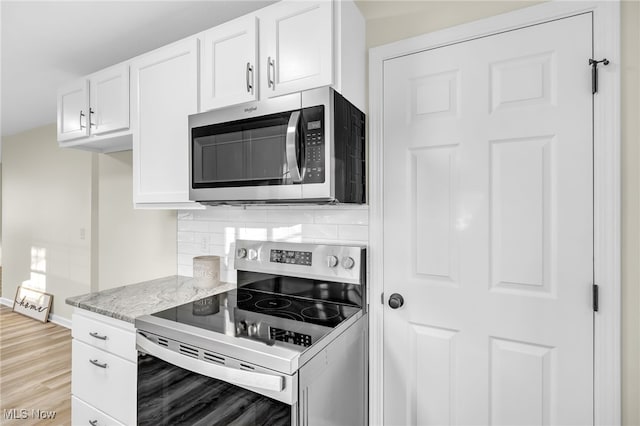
[(245, 296), (272, 303), (281, 314), (298, 308), (324, 313)]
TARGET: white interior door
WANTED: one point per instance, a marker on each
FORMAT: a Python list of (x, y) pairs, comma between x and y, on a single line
[(488, 230)]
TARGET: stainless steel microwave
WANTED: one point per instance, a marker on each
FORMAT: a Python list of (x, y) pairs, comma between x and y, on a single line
[(303, 147)]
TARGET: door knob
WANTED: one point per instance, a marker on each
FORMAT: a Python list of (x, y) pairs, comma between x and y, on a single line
[(396, 301)]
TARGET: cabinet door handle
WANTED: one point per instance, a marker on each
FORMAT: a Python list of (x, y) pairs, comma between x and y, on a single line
[(81, 115), (97, 336), (249, 79), (91, 112), (271, 81), (93, 422), (98, 364)]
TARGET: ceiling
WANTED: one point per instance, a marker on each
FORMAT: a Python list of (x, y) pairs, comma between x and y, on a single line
[(47, 44)]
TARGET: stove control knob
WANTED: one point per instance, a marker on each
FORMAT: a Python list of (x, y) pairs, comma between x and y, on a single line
[(242, 327), (332, 261), (252, 329), (252, 254), (348, 262), (241, 253)]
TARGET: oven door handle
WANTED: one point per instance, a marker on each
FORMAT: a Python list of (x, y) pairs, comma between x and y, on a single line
[(220, 372), (292, 157)]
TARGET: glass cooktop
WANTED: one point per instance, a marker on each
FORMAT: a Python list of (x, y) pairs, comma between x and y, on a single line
[(272, 309)]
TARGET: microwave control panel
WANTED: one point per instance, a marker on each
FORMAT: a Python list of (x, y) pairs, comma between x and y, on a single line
[(313, 130)]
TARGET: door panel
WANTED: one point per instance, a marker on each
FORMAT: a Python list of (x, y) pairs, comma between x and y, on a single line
[(488, 230), (110, 100), (165, 87), (73, 111), (229, 64), (297, 37)]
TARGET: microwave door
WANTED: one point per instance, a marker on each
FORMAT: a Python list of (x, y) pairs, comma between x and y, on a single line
[(293, 148), (247, 160)]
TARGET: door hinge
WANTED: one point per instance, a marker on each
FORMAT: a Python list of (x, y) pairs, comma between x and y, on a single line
[(594, 73), (382, 298), (595, 298)]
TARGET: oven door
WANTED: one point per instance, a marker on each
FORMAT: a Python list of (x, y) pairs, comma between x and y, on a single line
[(179, 389)]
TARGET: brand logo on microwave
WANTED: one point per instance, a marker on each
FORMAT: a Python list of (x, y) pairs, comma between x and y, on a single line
[(251, 109)]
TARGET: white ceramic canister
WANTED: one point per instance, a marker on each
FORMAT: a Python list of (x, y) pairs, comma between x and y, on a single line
[(206, 271)]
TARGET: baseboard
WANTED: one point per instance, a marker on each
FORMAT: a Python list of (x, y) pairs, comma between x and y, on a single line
[(61, 321), (56, 319)]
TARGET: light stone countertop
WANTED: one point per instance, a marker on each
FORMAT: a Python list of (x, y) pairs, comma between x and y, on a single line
[(130, 301)]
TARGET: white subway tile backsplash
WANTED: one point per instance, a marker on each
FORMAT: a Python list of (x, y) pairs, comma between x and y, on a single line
[(193, 225), (186, 237), (290, 216), (355, 217), (353, 232), (320, 231), (213, 231), (185, 270), (185, 215), (224, 227)]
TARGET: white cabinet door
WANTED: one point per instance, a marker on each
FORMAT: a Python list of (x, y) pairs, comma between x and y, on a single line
[(488, 230), (104, 381), (84, 414), (229, 59), (73, 111), (165, 91), (109, 96), (296, 47)]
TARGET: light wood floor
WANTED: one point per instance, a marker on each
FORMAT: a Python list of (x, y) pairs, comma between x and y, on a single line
[(35, 369)]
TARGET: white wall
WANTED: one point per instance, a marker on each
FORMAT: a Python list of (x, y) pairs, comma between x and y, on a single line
[(46, 211), (213, 231), (68, 216), (630, 71), (133, 245)]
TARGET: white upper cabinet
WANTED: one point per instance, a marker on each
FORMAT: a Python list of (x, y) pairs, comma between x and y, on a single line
[(73, 108), (109, 99), (93, 113), (284, 48), (229, 59), (296, 46), (165, 87)]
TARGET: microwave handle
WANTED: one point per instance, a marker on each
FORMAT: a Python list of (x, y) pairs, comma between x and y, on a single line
[(228, 374), (292, 137)]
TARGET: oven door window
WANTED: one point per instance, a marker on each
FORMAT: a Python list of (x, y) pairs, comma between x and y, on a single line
[(170, 395), (242, 153)]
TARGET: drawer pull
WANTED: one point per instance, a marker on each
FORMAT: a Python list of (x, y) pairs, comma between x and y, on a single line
[(97, 336), (98, 364), (93, 422)]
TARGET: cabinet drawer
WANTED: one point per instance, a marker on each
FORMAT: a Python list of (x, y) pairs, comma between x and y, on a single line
[(108, 383), (83, 414), (105, 336)]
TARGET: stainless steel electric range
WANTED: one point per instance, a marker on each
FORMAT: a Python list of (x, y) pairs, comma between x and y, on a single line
[(288, 347)]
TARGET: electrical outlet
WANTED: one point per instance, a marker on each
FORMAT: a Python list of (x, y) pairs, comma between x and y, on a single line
[(83, 233), (204, 243)]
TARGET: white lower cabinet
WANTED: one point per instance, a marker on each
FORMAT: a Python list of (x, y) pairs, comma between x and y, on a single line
[(84, 414), (103, 371)]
